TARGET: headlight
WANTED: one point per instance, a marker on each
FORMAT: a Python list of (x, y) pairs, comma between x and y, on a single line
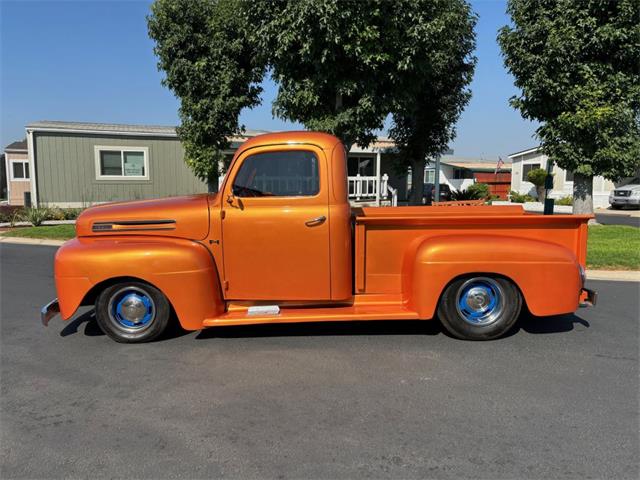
[(635, 193)]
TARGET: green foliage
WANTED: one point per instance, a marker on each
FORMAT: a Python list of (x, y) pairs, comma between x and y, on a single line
[(516, 197), (613, 247), (537, 176), (341, 67), (55, 232), (36, 215), (433, 73), (576, 64), (211, 63), (568, 200), (479, 190)]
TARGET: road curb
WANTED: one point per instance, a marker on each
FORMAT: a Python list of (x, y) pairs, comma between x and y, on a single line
[(31, 241), (614, 275)]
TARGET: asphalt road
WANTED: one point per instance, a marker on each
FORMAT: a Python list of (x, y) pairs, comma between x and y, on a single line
[(614, 219), (558, 398)]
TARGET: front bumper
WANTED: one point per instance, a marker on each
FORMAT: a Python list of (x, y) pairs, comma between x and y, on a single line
[(588, 298), (49, 311), (624, 201)]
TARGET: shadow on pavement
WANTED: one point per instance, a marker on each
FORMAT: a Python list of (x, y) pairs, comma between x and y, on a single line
[(91, 329), (527, 322), (373, 327), (555, 324)]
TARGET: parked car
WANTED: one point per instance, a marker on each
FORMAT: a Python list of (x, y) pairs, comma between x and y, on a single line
[(429, 193), (428, 190), (280, 243), (628, 195)]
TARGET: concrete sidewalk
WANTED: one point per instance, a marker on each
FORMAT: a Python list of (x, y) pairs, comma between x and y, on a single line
[(612, 275)]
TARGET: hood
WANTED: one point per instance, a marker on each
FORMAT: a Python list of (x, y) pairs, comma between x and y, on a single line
[(630, 187), (182, 217)]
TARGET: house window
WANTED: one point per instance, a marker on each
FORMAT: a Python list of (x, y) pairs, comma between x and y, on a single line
[(568, 176), (122, 163), (20, 170), (430, 176), (526, 168), (363, 166), (462, 173), (278, 174)]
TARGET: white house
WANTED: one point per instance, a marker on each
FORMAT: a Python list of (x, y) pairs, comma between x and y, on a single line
[(526, 160)]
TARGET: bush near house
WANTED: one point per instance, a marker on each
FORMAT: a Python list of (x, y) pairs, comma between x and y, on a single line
[(476, 191), (568, 200), (516, 197), (13, 214)]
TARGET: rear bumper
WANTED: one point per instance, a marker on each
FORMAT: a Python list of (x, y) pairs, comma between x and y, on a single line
[(588, 297), (49, 311)]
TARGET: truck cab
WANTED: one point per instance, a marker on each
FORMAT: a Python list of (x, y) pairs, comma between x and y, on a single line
[(280, 243)]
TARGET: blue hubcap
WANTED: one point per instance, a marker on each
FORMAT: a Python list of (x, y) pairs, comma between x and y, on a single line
[(480, 301), (132, 309)]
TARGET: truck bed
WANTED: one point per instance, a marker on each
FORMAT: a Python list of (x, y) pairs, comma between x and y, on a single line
[(383, 236)]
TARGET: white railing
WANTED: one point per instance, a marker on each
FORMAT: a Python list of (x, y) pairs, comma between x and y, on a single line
[(386, 189), (363, 187)]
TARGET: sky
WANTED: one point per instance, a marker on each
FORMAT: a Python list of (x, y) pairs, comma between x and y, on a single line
[(92, 61)]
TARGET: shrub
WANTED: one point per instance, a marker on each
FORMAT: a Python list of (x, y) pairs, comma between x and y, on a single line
[(55, 214), (568, 200), (516, 197), (71, 213), (479, 190), (15, 217), (537, 176), (36, 215), (459, 195)]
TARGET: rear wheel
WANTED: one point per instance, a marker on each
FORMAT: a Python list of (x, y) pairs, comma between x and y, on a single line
[(132, 312), (479, 308)]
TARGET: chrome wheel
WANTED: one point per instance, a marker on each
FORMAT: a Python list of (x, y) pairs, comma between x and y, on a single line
[(480, 301), (131, 309)]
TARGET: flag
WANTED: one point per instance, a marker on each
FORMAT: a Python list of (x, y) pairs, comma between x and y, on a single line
[(498, 165)]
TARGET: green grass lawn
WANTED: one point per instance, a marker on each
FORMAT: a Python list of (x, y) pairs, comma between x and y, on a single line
[(610, 247), (613, 247), (53, 232)]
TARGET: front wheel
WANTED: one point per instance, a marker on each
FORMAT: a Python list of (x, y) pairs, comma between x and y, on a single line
[(132, 312), (479, 308)]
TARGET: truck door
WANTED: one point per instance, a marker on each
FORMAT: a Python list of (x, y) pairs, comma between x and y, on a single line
[(275, 227)]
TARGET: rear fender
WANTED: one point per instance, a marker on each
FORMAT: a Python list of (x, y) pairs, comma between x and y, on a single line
[(547, 274), (182, 269)]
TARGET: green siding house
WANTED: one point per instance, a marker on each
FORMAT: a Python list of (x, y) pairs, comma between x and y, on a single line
[(80, 164)]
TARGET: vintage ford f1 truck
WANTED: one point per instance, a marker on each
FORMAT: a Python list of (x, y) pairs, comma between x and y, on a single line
[(281, 243)]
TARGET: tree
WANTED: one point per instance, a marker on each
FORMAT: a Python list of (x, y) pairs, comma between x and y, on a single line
[(213, 67), (538, 176), (432, 51), (342, 66), (576, 65), (330, 61)]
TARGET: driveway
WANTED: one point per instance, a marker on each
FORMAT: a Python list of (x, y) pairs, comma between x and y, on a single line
[(632, 219), (558, 398)]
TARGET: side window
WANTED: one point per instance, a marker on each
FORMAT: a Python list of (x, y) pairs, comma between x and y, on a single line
[(293, 173), (526, 168)]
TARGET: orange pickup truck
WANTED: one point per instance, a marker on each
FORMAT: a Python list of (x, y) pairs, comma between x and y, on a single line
[(280, 243)]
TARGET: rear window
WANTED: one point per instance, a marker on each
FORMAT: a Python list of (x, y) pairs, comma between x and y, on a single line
[(293, 173)]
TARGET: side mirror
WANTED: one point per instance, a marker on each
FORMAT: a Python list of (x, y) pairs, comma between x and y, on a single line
[(231, 199)]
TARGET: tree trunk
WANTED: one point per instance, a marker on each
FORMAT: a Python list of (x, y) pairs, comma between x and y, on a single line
[(540, 192), (417, 181), (582, 194)]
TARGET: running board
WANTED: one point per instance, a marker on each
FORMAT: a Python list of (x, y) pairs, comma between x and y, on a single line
[(322, 314)]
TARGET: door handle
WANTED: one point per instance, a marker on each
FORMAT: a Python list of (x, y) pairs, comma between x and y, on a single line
[(315, 221)]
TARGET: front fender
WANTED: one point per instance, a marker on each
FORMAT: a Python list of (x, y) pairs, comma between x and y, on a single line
[(182, 269), (547, 274)]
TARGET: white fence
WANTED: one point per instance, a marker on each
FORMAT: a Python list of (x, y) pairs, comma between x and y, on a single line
[(371, 189)]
